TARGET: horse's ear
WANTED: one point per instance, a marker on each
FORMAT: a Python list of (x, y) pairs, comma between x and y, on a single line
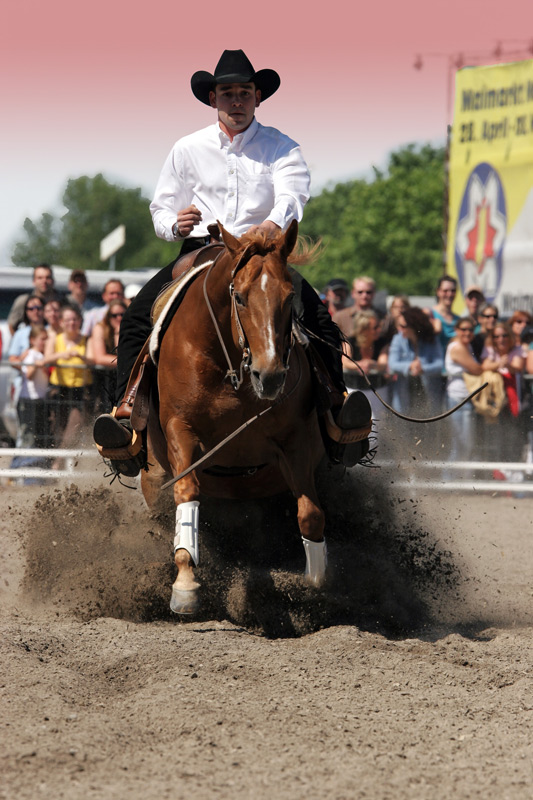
[(290, 238), (233, 244)]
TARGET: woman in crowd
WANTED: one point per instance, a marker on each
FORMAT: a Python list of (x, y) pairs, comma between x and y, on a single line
[(416, 357), (442, 317), (69, 381), (502, 355), (52, 316), (102, 349), (104, 338), (33, 315), (371, 353), (519, 322), (390, 324), (460, 359)]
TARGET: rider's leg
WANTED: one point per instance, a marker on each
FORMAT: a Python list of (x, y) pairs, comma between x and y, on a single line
[(351, 411), (113, 431)]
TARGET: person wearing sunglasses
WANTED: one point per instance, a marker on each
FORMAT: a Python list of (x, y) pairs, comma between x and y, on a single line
[(102, 349), (32, 314), (104, 338), (460, 359), (487, 317)]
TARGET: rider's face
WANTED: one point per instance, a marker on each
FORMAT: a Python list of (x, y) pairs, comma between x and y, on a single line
[(236, 104)]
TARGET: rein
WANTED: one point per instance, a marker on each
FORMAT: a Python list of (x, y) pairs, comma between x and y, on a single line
[(381, 400), (236, 380)]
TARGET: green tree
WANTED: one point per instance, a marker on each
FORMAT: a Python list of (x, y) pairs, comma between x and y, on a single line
[(94, 207), (389, 227)]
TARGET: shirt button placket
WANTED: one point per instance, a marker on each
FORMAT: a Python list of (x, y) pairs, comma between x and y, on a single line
[(231, 199)]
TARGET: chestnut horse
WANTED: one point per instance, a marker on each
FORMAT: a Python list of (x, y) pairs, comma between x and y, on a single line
[(237, 313)]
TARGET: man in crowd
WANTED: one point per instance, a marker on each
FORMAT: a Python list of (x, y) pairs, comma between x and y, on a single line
[(474, 299), (77, 291), (363, 293), (43, 287), (336, 295)]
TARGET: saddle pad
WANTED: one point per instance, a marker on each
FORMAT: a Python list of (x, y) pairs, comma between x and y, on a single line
[(166, 304)]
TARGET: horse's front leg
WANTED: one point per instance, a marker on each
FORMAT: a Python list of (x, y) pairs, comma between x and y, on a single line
[(181, 447)]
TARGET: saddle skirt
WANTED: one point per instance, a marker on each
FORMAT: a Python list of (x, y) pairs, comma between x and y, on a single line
[(185, 271)]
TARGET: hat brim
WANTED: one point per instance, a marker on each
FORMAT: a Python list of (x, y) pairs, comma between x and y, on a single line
[(266, 80)]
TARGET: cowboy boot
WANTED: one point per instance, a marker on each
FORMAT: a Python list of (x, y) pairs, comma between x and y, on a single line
[(348, 428), (115, 438)]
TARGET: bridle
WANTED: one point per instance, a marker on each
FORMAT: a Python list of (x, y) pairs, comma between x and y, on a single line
[(235, 379)]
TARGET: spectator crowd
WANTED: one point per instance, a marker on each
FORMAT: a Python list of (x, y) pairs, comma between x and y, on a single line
[(425, 361), (63, 353), (421, 360)]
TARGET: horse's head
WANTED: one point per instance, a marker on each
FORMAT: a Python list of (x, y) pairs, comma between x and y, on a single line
[(262, 295)]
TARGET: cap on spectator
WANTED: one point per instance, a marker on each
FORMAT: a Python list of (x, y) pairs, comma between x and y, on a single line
[(338, 283), (472, 289), (78, 275), (132, 290)]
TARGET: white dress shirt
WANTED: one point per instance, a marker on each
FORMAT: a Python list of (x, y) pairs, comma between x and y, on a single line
[(260, 175)]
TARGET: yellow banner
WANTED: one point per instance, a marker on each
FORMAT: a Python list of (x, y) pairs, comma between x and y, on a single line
[(490, 233)]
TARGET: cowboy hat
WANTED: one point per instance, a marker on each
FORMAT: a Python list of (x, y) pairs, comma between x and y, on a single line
[(234, 67)]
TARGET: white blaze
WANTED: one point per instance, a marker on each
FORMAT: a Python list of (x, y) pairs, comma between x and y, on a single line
[(270, 348)]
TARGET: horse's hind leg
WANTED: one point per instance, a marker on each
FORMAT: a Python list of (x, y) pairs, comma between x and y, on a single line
[(311, 524), (299, 474)]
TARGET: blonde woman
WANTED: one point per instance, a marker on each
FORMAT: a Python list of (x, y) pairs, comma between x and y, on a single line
[(67, 351)]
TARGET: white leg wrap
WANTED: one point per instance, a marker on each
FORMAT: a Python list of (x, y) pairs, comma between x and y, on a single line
[(186, 538), (316, 555)]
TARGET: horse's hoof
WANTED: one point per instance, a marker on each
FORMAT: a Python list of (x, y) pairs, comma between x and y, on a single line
[(184, 601)]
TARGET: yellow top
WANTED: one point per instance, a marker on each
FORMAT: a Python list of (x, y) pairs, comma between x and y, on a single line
[(67, 372)]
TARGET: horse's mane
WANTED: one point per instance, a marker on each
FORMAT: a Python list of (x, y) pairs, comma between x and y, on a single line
[(305, 251)]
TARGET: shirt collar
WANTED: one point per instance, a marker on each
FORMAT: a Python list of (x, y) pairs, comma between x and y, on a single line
[(241, 139)]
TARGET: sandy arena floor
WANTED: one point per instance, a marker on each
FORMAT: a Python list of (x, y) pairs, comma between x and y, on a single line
[(410, 676)]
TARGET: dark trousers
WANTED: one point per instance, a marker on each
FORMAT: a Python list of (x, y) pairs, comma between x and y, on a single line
[(135, 327)]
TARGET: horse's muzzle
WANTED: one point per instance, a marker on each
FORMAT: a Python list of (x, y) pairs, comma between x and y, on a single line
[(268, 385)]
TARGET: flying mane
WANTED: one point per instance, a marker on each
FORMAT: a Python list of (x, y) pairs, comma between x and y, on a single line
[(263, 242)]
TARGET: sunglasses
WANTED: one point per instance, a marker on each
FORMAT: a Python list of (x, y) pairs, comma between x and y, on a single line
[(118, 314), (490, 316), (365, 291), (34, 308)]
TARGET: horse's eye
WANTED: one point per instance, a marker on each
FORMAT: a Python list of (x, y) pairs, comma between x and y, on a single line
[(239, 299)]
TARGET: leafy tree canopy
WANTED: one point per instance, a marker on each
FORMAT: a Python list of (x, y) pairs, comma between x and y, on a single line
[(95, 207), (389, 228)]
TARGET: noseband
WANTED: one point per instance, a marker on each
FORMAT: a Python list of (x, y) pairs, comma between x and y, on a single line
[(246, 359)]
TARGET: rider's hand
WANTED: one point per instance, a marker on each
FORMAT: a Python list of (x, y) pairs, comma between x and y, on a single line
[(188, 218), (267, 226)]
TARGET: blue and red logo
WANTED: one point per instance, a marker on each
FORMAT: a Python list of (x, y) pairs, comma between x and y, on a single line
[(481, 230)]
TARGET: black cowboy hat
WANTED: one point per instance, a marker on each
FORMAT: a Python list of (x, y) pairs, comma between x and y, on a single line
[(234, 67)]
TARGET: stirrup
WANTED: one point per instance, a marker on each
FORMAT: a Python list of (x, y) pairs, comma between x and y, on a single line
[(348, 441), (127, 459)]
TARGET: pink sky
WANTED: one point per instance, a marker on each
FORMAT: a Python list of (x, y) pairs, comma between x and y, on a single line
[(104, 87)]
